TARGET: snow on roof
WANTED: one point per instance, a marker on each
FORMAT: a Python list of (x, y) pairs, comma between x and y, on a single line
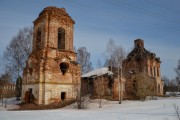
[(97, 72)]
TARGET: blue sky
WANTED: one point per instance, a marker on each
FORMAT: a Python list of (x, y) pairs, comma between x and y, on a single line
[(157, 22)]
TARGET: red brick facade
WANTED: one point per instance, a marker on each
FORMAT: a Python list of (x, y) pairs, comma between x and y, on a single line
[(139, 60), (51, 73)]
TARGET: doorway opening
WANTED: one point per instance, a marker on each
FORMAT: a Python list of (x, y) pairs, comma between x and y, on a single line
[(63, 96)]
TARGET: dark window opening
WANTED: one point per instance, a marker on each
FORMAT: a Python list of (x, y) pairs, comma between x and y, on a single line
[(157, 72), (38, 39), (63, 96), (64, 67), (158, 88), (61, 39), (30, 71), (110, 83), (135, 85), (30, 90), (154, 71), (91, 87), (30, 95), (151, 71)]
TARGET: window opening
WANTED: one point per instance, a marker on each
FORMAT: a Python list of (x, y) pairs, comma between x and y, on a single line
[(151, 71), (154, 71), (38, 39), (61, 39), (63, 96), (157, 72), (158, 88), (64, 67)]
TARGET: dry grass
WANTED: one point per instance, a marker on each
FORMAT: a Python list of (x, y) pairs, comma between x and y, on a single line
[(32, 106)]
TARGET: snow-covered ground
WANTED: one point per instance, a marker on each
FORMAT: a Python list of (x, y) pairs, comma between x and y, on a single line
[(129, 110), (11, 104)]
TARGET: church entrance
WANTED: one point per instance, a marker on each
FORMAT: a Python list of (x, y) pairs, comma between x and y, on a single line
[(29, 97)]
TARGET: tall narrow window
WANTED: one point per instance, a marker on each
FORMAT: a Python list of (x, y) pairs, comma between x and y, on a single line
[(61, 39), (158, 72), (151, 70), (38, 39), (159, 89), (154, 71)]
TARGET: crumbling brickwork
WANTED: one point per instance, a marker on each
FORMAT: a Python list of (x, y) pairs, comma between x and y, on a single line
[(139, 60), (52, 73), (106, 86)]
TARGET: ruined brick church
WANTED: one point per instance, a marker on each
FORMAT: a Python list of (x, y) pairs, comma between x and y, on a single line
[(140, 75), (52, 73), (140, 60)]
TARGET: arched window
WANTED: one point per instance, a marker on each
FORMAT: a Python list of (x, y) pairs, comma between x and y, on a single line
[(38, 39), (61, 39)]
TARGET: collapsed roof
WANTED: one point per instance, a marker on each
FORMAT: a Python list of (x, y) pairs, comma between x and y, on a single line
[(97, 72)]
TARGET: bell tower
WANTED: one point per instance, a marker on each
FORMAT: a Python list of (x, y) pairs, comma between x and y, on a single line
[(54, 29), (52, 73)]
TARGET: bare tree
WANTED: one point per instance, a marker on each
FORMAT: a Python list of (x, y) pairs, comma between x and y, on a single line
[(83, 58), (178, 83), (4, 78), (5, 93), (166, 80), (109, 53), (115, 55), (178, 75), (178, 69), (17, 52), (100, 89), (172, 87), (82, 96), (119, 56), (166, 84), (99, 64), (18, 88)]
